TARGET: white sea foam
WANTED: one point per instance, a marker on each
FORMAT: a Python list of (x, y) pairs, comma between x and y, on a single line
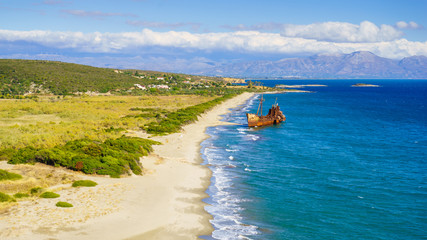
[(231, 150), (252, 137), (225, 202), (231, 165), (250, 170), (211, 154), (220, 129), (242, 130)]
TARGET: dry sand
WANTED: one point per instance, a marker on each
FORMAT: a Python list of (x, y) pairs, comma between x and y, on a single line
[(165, 203)]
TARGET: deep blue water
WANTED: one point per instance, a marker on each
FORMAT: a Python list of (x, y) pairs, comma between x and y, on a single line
[(348, 163)]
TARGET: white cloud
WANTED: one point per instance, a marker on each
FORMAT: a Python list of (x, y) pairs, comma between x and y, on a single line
[(343, 32), (241, 41), (408, 25)]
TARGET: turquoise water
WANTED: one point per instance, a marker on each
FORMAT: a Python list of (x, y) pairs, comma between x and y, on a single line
[(349, 163)]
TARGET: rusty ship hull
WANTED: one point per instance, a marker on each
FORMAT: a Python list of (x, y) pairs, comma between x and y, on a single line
[(259, 121), (274, 116)]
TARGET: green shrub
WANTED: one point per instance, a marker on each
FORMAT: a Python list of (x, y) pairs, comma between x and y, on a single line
[(6, 154), (92, 149), (24, 155), (64, 204), (6, 198), (21, 195), (174, 121), (5, 175), (36, 190), (49, 195), (84, 183), (113, 157)]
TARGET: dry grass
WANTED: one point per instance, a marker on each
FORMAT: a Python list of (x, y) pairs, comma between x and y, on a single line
[(38, 175), (33, 176), (50, 121)]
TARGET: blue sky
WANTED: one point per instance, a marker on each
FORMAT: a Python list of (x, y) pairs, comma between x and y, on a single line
[(148, 33)]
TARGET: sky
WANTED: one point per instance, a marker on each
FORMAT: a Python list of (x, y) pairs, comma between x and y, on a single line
[(191, 34)]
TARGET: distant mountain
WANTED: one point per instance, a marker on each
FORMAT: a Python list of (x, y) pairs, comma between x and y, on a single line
[(354, 65)]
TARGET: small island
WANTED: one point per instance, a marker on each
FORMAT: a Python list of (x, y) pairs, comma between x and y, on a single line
[(364, 85), (300, 85)]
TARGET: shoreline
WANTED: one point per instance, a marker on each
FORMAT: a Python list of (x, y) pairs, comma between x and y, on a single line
[(165, 203)]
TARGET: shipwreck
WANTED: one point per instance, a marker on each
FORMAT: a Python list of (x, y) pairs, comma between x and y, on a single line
[(274, 116)]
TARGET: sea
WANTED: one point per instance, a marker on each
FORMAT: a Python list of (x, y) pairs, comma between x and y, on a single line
[(348, 163)]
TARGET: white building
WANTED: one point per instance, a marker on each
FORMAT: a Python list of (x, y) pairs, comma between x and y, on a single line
[(140, 87)]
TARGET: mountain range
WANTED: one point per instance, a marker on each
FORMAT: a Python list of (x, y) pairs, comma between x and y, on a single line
[(357, 65)]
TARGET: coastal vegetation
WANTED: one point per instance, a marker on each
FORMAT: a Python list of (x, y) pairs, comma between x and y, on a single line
[(51, 121), (28, 185), (49, 195), (5, 175), (84, 183), (21, 76), (67, 130), (112, 157), (173, 121), (21, 195), (27, 77), (64, 204), (6, 198), (80, 117), (56, 117)]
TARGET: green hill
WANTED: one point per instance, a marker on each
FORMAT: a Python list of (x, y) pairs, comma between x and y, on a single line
[(21, 76)]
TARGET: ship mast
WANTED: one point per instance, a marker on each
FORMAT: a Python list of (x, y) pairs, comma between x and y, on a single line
[(260, 106)]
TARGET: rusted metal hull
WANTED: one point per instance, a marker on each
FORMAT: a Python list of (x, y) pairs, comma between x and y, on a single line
[(258, 121), (274, 116)]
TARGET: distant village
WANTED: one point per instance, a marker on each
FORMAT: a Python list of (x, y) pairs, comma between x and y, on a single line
[(166, 81)]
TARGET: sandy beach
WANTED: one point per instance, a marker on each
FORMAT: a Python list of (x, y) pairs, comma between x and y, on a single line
[(164, 203)]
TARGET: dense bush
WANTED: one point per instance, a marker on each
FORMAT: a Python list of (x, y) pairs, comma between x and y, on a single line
[(84, 183), (21, 195), (64, 204), (49, 195), (5, 175), (113, 157), (6, 198), (6, 154), (175, 120)]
